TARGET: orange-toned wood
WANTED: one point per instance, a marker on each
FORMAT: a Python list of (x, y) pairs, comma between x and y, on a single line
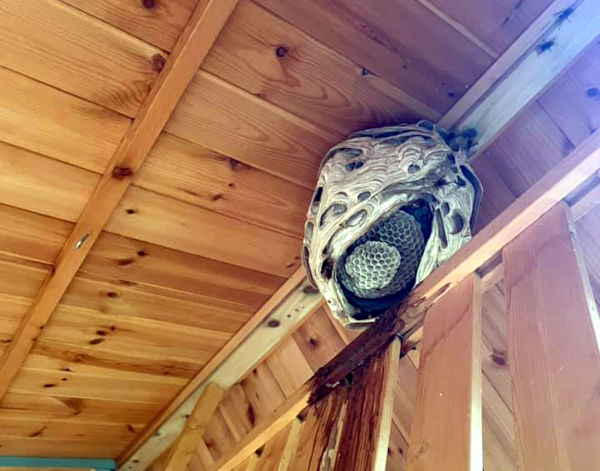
[(189, 52), (554, 338), (183, 449), (447, 428)]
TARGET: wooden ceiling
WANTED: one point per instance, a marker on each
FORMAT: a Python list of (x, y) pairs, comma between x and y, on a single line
[(211, 225)]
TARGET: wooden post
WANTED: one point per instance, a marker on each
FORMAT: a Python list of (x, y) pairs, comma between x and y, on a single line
[(185, 446), (447, 432), (553, 348)]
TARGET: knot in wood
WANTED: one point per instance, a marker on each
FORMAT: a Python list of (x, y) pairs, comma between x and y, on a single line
[(121, 172)]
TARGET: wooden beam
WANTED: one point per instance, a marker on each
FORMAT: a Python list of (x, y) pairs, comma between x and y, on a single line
[(526, 69), (557, 184), (182, 451), (191, 49), (447, 428), (553, 348), (276, 319), (265, 430)]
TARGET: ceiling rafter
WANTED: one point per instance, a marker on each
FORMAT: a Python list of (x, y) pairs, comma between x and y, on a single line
[(192, 47), (519, 65)]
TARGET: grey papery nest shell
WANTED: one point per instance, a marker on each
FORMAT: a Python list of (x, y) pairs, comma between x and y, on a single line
[(391, 204)]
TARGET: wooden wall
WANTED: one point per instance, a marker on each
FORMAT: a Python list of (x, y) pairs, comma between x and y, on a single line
[(212, 224)]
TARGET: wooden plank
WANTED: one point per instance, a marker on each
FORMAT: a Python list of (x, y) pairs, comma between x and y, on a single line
[(502, 66), (160, 220), (383, 407), (72, 51), (188, 172), (155, 22), (265, 430), (392, 40), (183, 449), (259, 336), (305, 77), (558, 47), (446, 431), (572, 101), (45, 120), (191, 49), (40, 184), (130, 262), (498, 25), (44, 376), (272, 452), (228, 120), (553, 359), (31, 236)]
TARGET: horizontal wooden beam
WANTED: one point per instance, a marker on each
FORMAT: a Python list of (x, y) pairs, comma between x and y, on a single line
[(277, 318), (191, 49)]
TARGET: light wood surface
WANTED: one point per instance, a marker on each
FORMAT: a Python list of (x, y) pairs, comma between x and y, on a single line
[(447, 424), (554, 332), (195, 426)]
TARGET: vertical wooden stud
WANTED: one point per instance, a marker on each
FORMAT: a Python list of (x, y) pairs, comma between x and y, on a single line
[(185, 446), (553, 347), (447, 431)]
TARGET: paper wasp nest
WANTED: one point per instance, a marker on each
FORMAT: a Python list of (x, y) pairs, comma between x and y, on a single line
[(391, 204)]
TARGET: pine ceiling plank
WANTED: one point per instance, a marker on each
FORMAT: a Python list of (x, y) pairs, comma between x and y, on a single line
[(228, 120), (130, 344), (63, 47), (76, 409), (59, 448), (177, 225), (270, 58), (394, 41), (23, 424), (289, 366), (42, 375), (237, 411), (45, 120), (188, 172), (31, 236), (21, 278), (197, 38), (130, 262), (43, 185), (573, 101), (155, 21), (120, 300), (497, 24)]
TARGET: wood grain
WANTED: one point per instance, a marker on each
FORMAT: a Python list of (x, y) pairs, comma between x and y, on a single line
[(446, 431), (158, 23), (393, 40), (43, 185), (553, 359), (188, 172), (272, 59), (149, 217), (63, 47), (228, 120), (181, 452), (45, 120)]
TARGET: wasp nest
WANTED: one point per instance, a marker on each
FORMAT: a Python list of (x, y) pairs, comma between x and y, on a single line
[(391, 205)]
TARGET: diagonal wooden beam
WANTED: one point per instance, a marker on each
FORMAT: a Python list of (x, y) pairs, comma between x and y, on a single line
[(185, 446), (531, 64), (194, 43)]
